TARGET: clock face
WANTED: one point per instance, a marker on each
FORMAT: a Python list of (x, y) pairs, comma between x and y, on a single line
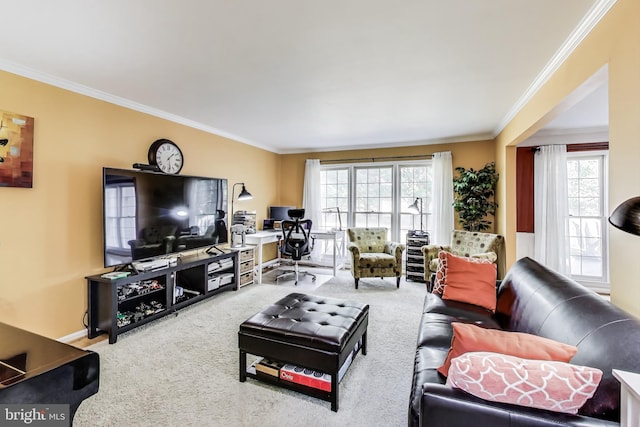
[(166, 155)]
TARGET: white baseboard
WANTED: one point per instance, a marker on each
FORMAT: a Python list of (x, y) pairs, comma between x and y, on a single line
[(73, 336)]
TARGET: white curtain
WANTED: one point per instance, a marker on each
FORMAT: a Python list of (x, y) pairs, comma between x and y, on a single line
[(311, 197), (551, 244), (442, 198), (311, 191)]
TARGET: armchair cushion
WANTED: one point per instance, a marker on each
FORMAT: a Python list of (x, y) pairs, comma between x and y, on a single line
[(369, 240)]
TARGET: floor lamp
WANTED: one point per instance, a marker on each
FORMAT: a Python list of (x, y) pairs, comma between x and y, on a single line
[(626, 217), (416, 209), (244, 195)]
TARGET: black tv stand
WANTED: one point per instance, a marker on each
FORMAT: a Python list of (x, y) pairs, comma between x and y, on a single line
[(126, 268), (118, 305), (212, 247)]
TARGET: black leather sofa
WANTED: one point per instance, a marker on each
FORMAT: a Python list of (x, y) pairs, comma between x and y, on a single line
[(536, 300)]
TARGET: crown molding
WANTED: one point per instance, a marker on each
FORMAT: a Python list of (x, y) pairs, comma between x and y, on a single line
[(585, 26), (568, 136), (395, 144), (52, 80)]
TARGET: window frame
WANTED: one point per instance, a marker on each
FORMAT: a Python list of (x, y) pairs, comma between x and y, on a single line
[(601, 283), (397, 209)]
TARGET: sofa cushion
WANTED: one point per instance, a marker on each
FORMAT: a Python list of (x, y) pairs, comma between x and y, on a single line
[(471, 281), (439, 265), (551, 385), (467, 338)]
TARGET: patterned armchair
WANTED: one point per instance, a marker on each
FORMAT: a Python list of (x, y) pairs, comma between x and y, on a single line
[(372, 255), (467, 243)]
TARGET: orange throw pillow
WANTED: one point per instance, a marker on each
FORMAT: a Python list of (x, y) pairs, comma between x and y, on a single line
[(468, 280), (468, 337)]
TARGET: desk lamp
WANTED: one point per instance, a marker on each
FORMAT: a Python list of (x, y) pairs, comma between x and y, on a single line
[(244, 195), (626, 217), (416, 209), (336, 210)]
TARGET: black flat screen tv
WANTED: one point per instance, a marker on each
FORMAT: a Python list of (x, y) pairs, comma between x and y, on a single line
[(150, 214)]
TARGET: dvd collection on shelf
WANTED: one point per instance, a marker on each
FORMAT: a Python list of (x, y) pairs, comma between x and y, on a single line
[(298, 374)]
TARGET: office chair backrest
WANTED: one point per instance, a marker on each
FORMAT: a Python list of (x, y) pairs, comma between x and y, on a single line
[(296, 235)]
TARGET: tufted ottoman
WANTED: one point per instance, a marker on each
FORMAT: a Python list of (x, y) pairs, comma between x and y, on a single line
[(314, 332)]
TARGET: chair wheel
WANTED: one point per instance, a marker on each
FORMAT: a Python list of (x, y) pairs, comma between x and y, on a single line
[(313, 279)]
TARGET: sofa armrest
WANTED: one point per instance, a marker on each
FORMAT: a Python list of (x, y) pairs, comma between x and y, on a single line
[(443, 406)]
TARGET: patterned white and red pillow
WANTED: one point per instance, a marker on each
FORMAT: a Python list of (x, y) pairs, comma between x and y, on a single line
[(552, 385)]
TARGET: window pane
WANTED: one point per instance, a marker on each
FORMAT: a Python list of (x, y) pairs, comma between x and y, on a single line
[(589, 206), (380, 195)]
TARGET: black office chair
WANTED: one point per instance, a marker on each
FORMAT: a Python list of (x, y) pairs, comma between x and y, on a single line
[(296, 243)]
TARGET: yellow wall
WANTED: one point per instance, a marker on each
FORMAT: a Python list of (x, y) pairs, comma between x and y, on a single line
[(614, 41), (51, 235), (466, 154)]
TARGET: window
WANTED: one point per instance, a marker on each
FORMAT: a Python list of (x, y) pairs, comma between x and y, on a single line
[(376, 195), (373, 197), (334, 190), (586, 173)]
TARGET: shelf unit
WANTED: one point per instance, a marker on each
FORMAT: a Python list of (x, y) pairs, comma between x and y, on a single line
[(246, 259), (116, 306), (414, 264)]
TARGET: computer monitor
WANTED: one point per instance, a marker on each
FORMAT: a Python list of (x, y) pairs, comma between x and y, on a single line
[(279, 213)]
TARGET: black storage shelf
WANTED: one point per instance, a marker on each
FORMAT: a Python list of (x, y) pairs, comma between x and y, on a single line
[(147, 319), (140, 296), (309, 391), (188, 301), (190, 273)]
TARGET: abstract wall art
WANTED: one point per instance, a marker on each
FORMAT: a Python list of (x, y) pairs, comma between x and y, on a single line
[(16, 150)]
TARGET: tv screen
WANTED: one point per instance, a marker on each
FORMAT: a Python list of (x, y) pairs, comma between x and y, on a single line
[(279, 213), (149, 214)]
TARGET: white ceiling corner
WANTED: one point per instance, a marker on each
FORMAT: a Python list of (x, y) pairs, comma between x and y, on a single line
[(290, 76)]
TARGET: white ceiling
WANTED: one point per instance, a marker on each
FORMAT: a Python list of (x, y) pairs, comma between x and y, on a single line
[(302, 75)]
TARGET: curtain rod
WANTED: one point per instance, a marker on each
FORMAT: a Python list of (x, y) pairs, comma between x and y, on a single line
[(374, 159)]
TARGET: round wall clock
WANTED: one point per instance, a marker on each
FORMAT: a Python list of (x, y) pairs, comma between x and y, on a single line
[(166, 155)]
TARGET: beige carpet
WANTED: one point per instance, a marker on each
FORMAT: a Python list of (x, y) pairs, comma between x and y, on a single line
[(182, 370)]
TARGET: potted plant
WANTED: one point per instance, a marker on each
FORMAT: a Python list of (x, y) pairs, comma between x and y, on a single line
[(474, 196)]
